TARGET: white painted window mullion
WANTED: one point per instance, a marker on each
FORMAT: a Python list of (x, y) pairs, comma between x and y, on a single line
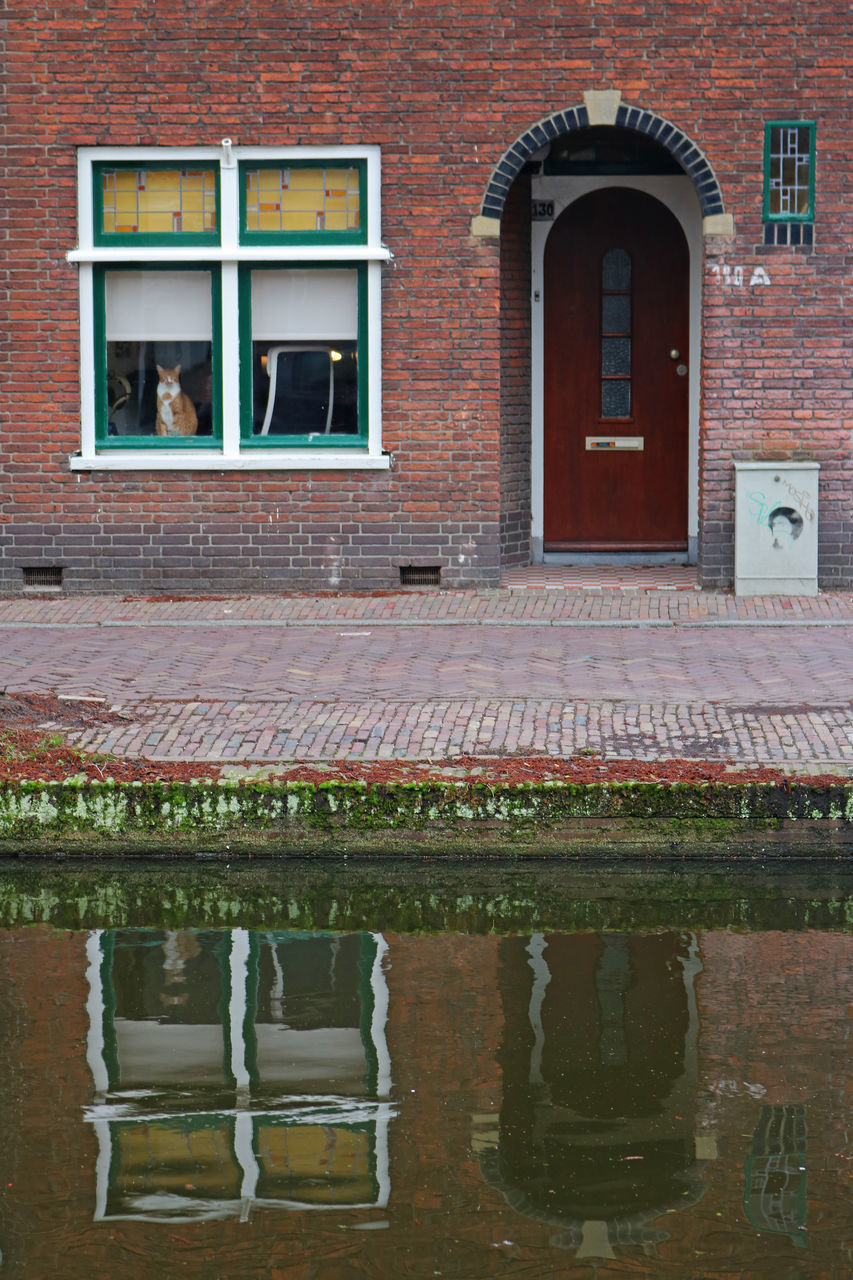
[(374, 362), (230, 237), (88, 358), (230, 362)]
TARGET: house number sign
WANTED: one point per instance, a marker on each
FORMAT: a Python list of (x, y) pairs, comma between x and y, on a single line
[(543, 210), (736, 278)]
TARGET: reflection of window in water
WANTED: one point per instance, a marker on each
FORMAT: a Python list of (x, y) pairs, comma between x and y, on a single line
[(786, 525), (775, 1194), (246, 1067)]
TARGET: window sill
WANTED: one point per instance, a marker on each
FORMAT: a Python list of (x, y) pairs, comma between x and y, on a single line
[(241, 253), (266, 460)]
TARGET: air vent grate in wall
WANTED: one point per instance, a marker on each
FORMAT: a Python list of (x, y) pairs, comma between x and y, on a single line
[(42, 578), (416, 575)]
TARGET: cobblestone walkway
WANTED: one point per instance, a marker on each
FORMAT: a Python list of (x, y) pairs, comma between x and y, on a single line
[(640, 674)]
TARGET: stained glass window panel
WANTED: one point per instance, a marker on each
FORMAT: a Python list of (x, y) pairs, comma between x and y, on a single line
[(158, 201), (302, 199), (789, 170)]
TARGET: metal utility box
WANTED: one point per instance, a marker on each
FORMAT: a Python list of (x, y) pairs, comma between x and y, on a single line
[(776, 528)]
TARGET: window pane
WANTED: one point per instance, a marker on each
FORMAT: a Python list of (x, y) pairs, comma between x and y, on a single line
[(616, 270), (304, 353), (616, 399), (615, 356), (302, 199), (300, 305), (158, 201), (616, 313), (159, 335)]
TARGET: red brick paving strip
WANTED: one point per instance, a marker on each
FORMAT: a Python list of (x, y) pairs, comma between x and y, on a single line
[(632, 674)]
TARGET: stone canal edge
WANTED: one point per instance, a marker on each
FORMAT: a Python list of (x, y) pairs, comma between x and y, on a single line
[(275, 818)]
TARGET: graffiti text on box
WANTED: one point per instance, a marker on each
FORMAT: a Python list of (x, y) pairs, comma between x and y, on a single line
[(761, 506), (736, 277), (802, 497)]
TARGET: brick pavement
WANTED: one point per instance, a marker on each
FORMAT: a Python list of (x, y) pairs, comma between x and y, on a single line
[(647, 674)]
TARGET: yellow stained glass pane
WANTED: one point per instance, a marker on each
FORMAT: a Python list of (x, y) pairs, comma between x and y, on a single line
[(302, 200), (159, 201), (296, 1157), (167, 1158)]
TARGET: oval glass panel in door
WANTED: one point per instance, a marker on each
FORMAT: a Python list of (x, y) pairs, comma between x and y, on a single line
[(616, 334)]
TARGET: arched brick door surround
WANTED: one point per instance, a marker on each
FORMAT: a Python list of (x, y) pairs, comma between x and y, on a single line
[(677, 143)]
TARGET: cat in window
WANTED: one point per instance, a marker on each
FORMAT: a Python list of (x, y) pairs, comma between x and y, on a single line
[(176, 415)]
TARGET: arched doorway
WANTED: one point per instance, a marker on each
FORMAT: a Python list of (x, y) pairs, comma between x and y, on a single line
[(616, 338), (603, 144)]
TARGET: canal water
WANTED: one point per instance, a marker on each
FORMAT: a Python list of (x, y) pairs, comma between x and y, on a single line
[(376, 1070)]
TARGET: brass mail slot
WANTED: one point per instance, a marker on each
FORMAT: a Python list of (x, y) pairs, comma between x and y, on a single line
[(615, 442)]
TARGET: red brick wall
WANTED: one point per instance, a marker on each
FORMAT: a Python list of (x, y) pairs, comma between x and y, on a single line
[(443, 89)]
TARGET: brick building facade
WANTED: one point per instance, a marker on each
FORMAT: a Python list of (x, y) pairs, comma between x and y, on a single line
[(451, 286)]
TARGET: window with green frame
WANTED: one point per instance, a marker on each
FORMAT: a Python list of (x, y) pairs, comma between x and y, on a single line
[(789, 181), (302, 354), (282, 365), (158, 331)]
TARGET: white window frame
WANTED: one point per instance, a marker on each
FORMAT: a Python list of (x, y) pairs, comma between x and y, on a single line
[(229, 254)]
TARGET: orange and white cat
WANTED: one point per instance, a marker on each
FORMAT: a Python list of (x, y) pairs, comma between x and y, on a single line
[(176, 415)]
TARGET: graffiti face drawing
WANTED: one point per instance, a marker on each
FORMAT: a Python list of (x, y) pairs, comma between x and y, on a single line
[(786, 525)]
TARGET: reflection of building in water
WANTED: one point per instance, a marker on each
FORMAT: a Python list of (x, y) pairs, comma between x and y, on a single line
[(775, 1194), (235, 1069), (599, 1083)]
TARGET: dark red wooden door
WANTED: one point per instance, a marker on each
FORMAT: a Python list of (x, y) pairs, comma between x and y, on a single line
[(616, 358)]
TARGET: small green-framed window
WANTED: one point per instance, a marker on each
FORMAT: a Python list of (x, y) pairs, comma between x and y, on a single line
[(303, 355), (156, 204), (157, 343), (789, 171), (302, 202)]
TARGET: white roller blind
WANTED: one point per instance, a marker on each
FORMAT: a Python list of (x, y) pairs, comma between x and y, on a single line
[(304, 305), (164, 305)]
